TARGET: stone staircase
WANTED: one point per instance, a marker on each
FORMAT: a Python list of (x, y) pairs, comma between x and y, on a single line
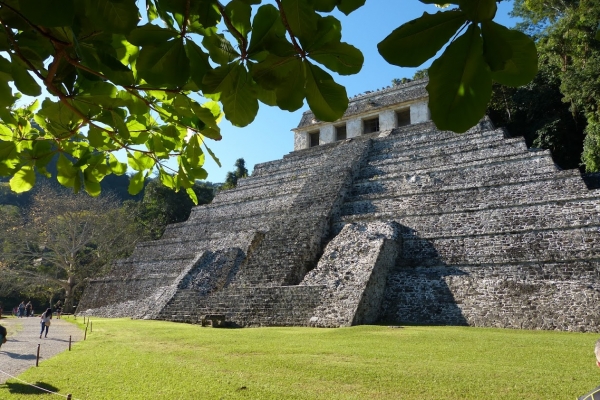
[(491, 233)]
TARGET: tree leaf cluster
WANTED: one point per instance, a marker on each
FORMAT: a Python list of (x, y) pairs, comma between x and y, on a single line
[(157, 89), (566, 37), (480, 52)]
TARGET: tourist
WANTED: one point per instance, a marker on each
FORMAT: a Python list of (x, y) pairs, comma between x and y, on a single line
[(58, 307), (594, 394), (29, 308), (21, 310), (2, 335), (45, 321)]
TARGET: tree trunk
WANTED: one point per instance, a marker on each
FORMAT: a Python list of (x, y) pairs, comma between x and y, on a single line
[(68, 306)]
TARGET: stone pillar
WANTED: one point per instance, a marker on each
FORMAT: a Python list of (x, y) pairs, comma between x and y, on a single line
[(387, 120), (419, 112), (354, 127), (327, 134), (301, 140)]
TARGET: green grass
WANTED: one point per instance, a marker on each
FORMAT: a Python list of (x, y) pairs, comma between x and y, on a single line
[(124, 359)]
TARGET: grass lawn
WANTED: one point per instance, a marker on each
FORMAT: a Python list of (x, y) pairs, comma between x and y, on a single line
[(125, 359)]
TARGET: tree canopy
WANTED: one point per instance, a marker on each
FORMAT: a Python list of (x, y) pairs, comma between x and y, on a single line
[(566, 34), (63, 239), (154, 78)]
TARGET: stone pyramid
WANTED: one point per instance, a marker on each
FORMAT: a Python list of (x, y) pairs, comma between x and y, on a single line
[(402, 225)]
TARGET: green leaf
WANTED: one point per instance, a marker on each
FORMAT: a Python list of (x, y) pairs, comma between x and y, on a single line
[(325, 5), (151, 12), (339, 57), (115, 16), (166, 179), (23, 81), (239, 13), (90, 183), (114, 70), (46, 13), (219, 49), (119, 124), (199, 64), (165, 65), (23, 180), (301, 17), (97, 137), (479, 10), (496, 49), (237, 95), (418, 40), (460, 84), (4, 44), (212, 155), (136, 183), (150, 35), (8, 154), (205, 12), (268, 97), (67, 175), (139, 161), (117, 167), (192, 195), (326, 99), (266, 29), (284, 75), (522, 66), (329, 30), (6, 96), (347, 6)]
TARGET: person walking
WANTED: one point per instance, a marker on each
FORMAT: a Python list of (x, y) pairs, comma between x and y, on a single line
[(58, 308), (45, 321), (29, 309), (21, 309)]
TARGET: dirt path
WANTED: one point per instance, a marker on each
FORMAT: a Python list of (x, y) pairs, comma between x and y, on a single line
[(19, 353)]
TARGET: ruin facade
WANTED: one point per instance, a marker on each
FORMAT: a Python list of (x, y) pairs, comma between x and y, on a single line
[(405, 224)]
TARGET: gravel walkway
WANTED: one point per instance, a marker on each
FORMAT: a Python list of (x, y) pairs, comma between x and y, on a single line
[(19, 352)]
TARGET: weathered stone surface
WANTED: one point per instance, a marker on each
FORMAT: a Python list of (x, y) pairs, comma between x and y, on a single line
[(353, 269), (483, 231)]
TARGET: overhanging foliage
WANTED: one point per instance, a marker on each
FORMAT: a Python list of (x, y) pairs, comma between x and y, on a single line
[(116, 83)]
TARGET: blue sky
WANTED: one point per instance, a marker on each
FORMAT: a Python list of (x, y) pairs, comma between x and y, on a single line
[(269, 136)]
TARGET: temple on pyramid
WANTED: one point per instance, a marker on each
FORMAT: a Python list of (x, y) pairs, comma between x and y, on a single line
[(379, 218)]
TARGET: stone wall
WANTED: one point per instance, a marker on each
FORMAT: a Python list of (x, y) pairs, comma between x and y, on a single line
[(353, 271), (555, 296), (483, 231)]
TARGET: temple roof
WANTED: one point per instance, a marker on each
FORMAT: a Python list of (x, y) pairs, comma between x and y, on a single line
[(373, 100)]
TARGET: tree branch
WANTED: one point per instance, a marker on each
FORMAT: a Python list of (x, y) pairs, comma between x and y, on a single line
[(242, 41), (297, 46)]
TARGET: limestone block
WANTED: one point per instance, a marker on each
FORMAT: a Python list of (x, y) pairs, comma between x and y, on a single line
[(327, 134), (419, 112), (387, 120), (354, 128), (301, 140), (353, 268)]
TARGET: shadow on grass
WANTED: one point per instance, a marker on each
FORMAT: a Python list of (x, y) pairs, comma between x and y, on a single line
[(22, 388)]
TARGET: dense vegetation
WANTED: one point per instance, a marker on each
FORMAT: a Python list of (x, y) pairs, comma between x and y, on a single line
[(52, 240), (125, 359), (153, 87), (558, 110)]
